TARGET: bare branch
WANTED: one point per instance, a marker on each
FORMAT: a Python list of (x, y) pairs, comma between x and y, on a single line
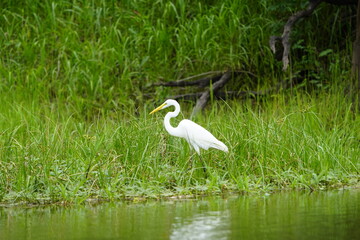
[(202, 101), (220, 95), (285, 38)]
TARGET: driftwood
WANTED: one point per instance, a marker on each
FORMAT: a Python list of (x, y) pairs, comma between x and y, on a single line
[(210, 83), (207, 78), (221, 95), (205, 96), (213, 85)]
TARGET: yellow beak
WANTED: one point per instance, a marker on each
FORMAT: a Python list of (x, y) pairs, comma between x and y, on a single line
[(158, 108)]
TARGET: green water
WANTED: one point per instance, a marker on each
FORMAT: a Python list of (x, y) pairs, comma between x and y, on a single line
[(291, 215)]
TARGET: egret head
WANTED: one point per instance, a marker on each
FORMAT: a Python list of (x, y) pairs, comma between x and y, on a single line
[(166, 104)]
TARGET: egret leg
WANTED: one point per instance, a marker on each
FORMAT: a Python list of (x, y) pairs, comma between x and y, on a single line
[(191, 166), (204, 166), (190, 162)]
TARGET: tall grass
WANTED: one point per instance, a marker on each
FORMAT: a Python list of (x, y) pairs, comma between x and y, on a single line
[(75, 124), (92, 52), (307, 143)]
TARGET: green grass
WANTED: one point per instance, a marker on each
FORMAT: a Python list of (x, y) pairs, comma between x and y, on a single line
[(300, 142), (100, 54), (74, 116)]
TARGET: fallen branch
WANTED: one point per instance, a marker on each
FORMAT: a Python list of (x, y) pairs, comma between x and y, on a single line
[(223, 95), (204, 98), (218, 82), (202, 82)]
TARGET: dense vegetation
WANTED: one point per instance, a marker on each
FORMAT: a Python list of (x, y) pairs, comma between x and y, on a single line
[(75, 121)]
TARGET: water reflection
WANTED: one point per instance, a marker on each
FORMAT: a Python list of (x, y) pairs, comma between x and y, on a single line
[(211, 225), (292, 215)]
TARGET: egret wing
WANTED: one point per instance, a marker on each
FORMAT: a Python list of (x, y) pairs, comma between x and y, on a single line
[(199, 137)]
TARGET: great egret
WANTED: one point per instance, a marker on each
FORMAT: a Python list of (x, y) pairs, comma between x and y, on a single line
[(197, 136)]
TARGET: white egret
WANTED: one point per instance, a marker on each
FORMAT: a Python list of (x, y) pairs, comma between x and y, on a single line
[(197, 136)]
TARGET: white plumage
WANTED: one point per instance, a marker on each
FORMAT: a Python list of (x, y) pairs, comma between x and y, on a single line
[(197, 136)]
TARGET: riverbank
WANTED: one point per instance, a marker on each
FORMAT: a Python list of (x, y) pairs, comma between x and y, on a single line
[(77, 85), (295, 142)]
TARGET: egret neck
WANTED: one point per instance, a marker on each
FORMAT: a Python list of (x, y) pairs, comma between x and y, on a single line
[(171, 130)]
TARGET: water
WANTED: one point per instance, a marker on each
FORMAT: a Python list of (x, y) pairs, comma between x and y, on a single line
[(291, 215)]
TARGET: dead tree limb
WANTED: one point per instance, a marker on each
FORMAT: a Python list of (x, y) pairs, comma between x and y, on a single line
[(223, 95), (203, 97), (285, 38), (210, 77), (214, 80), (202, 101)]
